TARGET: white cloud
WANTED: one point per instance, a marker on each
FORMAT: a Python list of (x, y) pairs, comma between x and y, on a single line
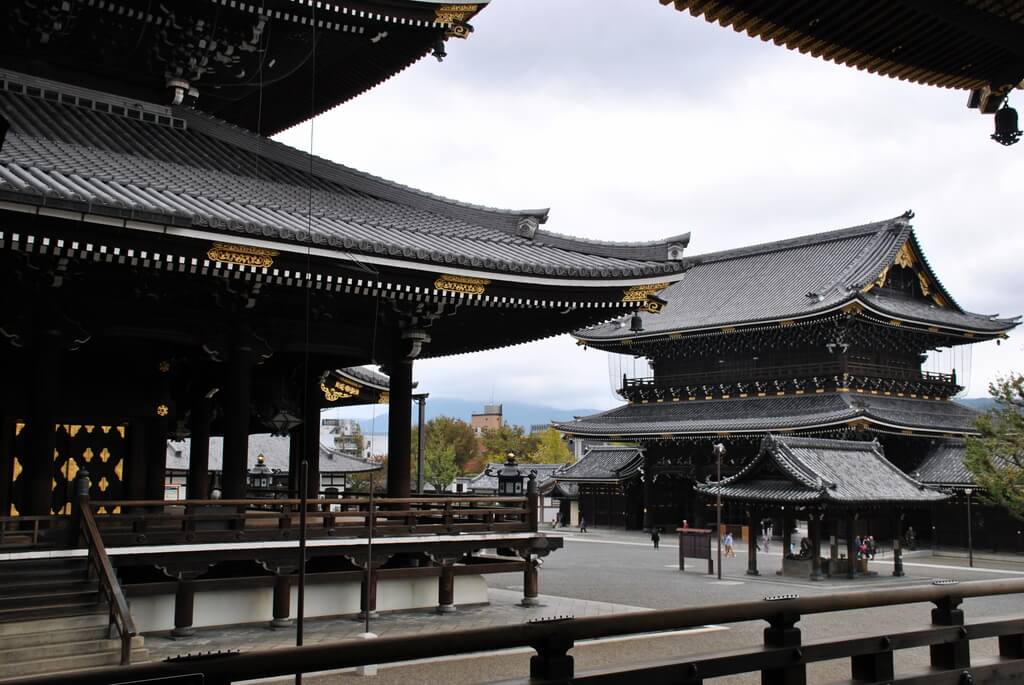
[(635, 122)]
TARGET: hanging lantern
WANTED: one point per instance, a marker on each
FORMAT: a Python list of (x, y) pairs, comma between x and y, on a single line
[(636, 324), (1007, 130)]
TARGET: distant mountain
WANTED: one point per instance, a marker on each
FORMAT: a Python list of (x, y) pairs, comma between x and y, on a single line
[(516, 413), (977, 403)]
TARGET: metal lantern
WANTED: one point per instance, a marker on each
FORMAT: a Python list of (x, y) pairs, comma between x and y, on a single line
[(636, 324), (260, 474), (1007, 130), (510, 478), (282, 421)]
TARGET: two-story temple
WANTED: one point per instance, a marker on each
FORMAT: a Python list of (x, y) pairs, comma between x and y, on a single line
[(825, 335)]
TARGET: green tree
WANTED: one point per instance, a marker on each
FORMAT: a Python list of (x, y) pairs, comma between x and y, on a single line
[(497, 443), (995, 457), (551, 449), (455, 432), (439, 465)]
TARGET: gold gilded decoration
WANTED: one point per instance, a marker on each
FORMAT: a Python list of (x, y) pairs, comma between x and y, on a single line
[(104, 455), (103, 484), (120, 429), (14, 510), (728, 329), (17, 469), (87, 455), (640, 293), (922, 278), (340, 390), (905, 257), (385, 398), (164, 366), (70, 469), (244, 255), (119, 470), (73, 429), (101, 510), (18, 427), (455, 13), (162, 410), (853, 308), (116, 510), (89, 429), (105, 429), (461, 284), (787, 323), (53, 484)]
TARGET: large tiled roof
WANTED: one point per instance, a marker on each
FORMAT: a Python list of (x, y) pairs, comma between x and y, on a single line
[(767, 414), (178, 167), (605, 463), (273, 449), (794, 278), (944, 465), (806, 470), (367, 376)]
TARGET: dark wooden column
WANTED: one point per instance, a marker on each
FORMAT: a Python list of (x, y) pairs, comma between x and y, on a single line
[(648, 523), (753, 528), (851, 552), (45, 413), (199, 451), (814, 523), (400, 428), (282, 601), (135, 461), (446, 590), (295, 436), (531, 582), (184, 606), (236, 418), (787, 532), (368, 595), (6, 463), (156, 457), (310, 428)]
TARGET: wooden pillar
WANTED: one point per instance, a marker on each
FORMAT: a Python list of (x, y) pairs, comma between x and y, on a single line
[(368, 595), (236, 417), (400, 427), (310, 428), (295, 437), (6, 463), (135, 466), (648, 523), (782, 632), (282, 601), (155, 441), (787, 532), (950, 655), (41, 441), (531, 583), (199, 450), (815, 535), (753, 524), (184, 604), (446, 590), (851, 551)]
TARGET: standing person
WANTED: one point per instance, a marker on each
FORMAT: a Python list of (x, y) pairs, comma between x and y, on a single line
[(583, 524), (727, 541), (656, 537), (871, 547)]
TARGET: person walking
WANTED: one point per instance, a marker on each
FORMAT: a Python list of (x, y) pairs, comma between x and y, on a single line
[(583, 524), (727, 541), (656, 537)]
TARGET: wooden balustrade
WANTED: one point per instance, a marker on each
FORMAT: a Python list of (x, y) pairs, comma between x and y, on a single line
[(21, 532), (170, 522)]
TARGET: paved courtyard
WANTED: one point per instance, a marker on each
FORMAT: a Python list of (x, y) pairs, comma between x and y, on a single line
[(606, 572)]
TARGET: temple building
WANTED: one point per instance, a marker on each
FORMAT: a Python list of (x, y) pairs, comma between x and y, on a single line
[(822, 335)]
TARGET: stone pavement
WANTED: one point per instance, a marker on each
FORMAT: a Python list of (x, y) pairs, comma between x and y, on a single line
[(503, 609)]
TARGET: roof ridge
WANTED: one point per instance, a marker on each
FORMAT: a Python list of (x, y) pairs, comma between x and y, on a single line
[(792, 243)]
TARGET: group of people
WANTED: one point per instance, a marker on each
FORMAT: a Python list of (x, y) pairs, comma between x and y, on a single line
[(864, 547)]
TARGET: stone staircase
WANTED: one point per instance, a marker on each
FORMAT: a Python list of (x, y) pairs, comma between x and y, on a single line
[(52, 620)]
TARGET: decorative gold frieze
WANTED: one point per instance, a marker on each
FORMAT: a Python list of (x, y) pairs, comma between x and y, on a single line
[(455, 13), (905, 257), (17, 469), (18, 427), (119, 470), (853, 308), (14, 510), (104, 455), (162, 410), (640, 293), (103, 484), (469, 285), (164, 366), (244, 255), (922, 279), (384, 398), (120, 430), (340, 390), (70, 469), (87, 455)]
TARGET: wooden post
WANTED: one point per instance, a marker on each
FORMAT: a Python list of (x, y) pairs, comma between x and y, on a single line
[(368, 596), (874, 667), (199, 452), (400, 426), (310, 442), (851, 548), (7, 424), (954, 654), (552, 662), (282, 601), (135, 468), (782, 632), (753, 523), (41, 443), (184, 605), (236, 417), (531, 583), (815, 534), (532, 502), (79, 501), (446, 590), (156, 458)]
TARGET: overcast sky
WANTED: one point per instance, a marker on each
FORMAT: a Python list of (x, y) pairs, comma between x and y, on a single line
[(633, 121)]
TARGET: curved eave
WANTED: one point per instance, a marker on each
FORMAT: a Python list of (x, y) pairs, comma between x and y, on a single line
[(813, 498), (614, 344)]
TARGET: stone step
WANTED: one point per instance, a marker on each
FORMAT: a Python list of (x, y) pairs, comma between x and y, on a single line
[(13, 656), (56, 568), (97, 630), (92, 617), (70, 663), (44, 586), (53, 596), (42, 610)]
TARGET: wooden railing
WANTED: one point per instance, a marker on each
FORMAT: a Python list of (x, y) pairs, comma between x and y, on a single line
[(782, 659), (20, 532), (120, 616), (163, 522)]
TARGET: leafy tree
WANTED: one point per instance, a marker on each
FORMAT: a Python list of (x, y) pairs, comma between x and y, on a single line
[(551, 449), (498, 442), (439, 465), (455, 432), (360, 482), (995, 457)]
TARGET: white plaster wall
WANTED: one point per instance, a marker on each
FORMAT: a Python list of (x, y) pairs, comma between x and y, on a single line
[(226, 607)]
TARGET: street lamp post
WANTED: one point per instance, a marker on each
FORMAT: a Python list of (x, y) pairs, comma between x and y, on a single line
[(970, 531), (719, 452)]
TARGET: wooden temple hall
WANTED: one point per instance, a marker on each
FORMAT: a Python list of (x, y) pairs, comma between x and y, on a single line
[(169, 272), (815, 344)]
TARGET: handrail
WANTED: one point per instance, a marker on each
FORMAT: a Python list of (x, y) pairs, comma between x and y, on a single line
[(551, 636), (263, 502), (119, 612)]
